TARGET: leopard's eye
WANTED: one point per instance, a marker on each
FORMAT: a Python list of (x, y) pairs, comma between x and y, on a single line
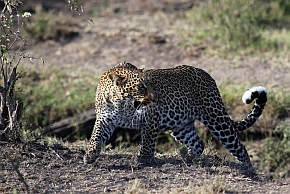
[(141, 86)]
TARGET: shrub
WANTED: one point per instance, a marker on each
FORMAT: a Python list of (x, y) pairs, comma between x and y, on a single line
[(12, 45), (276, 152)]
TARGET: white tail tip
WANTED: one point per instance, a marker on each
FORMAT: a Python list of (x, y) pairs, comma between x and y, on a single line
[(249, 96)]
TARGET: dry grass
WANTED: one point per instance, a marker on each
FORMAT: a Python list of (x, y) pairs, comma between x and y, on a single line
[(53, 167), (135, 186)]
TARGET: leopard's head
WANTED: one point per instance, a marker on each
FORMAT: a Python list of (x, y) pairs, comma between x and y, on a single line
[(124, 88)]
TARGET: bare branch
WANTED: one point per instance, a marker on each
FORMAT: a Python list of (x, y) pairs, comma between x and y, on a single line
[(12, 78)]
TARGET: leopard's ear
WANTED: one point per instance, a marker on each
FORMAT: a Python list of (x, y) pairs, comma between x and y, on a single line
[(118, 80)]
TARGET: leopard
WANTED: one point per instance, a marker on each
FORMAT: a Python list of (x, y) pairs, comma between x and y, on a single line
[(159, 100)]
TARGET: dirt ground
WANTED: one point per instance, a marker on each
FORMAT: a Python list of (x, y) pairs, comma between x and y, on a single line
[(140, 32), (59, 169)]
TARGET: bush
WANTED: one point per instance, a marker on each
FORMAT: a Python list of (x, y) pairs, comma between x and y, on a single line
[(276, 152), (12, 52), (284, 6), (12, 45)]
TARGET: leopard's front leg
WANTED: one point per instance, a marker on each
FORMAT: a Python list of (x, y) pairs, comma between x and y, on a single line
[(100, 135), (149, 135)]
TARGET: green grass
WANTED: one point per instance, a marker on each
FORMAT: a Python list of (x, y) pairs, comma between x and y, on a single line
[(52, 93), (238, 27), (280, 38), (279, 103), (51, 25)]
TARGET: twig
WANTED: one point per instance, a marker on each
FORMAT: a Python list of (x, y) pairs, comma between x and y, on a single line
[(56, 153), (18, 173)]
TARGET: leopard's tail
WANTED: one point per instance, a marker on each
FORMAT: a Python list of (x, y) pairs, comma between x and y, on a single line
[(260, 94)]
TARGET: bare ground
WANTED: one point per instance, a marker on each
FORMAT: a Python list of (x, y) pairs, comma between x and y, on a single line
[(59, 169), (143, 33)]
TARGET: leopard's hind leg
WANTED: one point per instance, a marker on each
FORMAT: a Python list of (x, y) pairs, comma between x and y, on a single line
[(226, 133), (188, 136)]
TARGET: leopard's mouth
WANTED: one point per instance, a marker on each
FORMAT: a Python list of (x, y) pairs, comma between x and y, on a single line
[(141, 107)]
